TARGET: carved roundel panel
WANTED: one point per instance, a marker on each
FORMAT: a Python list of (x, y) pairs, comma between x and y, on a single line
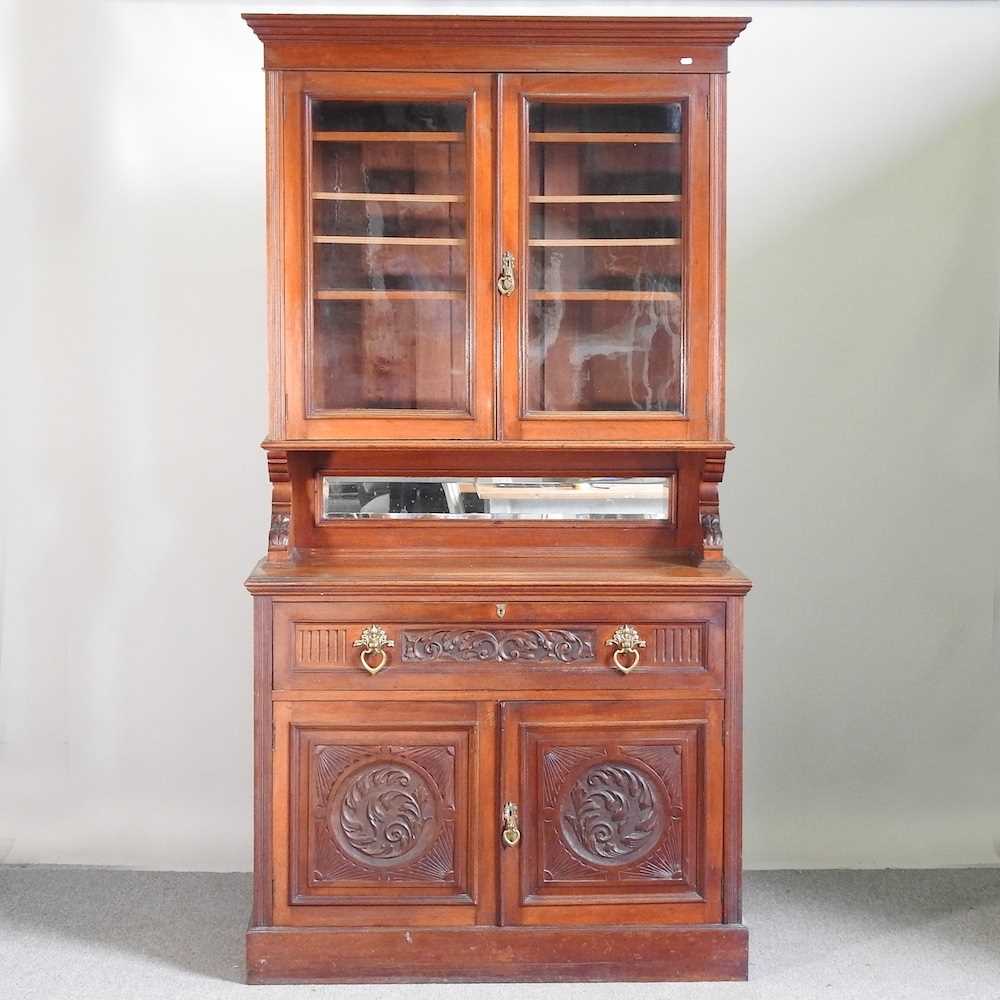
[(612, 813), (384, 813)]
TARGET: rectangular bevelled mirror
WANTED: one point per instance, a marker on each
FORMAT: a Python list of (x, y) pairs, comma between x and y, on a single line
[(390, 327), (606, 216), (529, 498)]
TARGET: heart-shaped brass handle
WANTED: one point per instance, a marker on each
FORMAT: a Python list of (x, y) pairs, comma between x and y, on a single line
[(373, 642), (627, 643)]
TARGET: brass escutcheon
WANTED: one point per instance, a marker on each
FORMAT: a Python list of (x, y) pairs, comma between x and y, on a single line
[(505, 283), (511, 834)]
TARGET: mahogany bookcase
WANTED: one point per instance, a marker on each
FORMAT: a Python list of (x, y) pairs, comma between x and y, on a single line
[(498, 647)]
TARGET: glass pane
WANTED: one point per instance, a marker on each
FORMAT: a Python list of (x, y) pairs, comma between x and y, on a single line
[(605, 257), (389, 324), (498, 498)]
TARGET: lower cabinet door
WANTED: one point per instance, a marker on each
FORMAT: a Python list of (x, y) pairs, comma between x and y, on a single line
[(382, 813), (618, 812)]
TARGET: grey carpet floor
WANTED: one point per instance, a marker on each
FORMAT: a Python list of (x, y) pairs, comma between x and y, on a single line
[(99, 934)]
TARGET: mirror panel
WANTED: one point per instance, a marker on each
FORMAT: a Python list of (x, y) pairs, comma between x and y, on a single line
[(527, 498)]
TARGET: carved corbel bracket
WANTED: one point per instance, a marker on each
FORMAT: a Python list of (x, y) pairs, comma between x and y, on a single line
[(281, 505), (708, 505)]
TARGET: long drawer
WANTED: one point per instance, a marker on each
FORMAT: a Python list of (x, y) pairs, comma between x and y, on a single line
[(518, 646)]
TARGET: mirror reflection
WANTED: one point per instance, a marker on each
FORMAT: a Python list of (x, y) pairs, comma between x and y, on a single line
[(498, 497)]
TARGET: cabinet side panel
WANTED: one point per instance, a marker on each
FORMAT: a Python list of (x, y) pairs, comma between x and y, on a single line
[(717, 259), (262, 655), (275, 257), (732, 873)]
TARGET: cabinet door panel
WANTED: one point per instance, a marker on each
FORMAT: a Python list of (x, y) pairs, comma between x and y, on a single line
[(377, 812), (620, 809), (388, 305), (604, 202)]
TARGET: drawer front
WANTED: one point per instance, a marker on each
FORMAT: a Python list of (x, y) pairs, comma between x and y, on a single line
[(320, 645)]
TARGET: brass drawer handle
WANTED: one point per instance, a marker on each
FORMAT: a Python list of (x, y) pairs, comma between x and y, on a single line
[(627, 644), (374, 642), (511, 834), (505, 283)]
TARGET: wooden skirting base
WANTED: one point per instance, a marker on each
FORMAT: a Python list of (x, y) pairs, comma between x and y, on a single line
[(489, 954)]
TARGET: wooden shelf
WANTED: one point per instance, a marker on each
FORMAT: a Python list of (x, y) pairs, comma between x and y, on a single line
[(629, 137), (637, 242), (409, 198), (419, 571), (388, 136), (599, 295), (390, 294), (402, 241), (601, 199), (491, 443)]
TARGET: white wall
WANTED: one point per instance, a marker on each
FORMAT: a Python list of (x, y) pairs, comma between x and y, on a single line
[(863, 315)]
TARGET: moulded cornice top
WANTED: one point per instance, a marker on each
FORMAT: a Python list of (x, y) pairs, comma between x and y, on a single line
[(459, 29)]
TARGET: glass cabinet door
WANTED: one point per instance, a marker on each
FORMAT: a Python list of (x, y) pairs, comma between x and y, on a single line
[(396, 299), (608, 232)]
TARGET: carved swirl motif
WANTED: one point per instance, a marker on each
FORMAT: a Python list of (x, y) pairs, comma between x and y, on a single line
[(500, 645), (384, 813), (711, 530), (612, 814), (278, 536)]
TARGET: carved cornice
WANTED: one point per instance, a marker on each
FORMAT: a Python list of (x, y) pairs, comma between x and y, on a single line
[(459, 30)]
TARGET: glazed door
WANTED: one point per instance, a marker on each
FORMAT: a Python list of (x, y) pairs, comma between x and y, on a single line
[(387, 222), (604, 199), (381, 814), (612, 812)]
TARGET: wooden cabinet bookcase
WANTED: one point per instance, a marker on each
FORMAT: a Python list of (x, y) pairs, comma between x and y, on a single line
[(498, 647)]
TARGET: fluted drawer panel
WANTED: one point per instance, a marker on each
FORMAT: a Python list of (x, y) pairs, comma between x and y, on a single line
[(681, 645), (318, 645)]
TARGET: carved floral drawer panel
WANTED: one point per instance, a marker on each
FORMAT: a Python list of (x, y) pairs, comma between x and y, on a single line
[(320, 645)]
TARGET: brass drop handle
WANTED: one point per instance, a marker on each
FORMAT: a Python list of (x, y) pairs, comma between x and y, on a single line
[(511, 834), (627, 644), (505, 283), (373, 642)]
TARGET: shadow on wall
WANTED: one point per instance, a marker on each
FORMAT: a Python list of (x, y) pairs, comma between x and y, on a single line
[(139, 402), (861, 499)]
